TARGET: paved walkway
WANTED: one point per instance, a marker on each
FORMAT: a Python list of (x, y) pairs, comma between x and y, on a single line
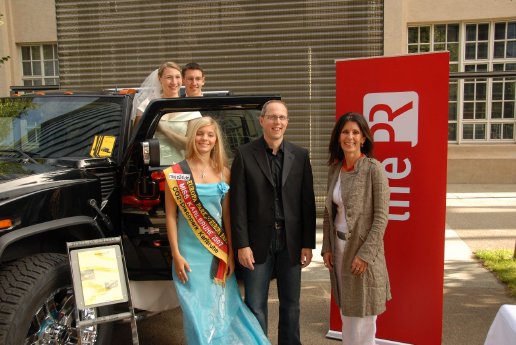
[(478, 216)]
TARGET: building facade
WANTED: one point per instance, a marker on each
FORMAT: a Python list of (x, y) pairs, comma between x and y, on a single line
[(28, 35), (287, 48), (481, 37)]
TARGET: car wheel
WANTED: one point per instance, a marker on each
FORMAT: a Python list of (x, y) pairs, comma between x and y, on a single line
[(37, 304)]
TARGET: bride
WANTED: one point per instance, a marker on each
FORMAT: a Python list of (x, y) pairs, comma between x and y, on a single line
[(165, 82)]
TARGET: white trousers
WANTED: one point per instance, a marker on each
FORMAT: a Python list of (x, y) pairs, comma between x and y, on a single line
[(358, 330), (355, 330)]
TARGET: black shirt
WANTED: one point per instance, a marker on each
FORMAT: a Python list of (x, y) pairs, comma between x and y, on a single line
[(276, 166)]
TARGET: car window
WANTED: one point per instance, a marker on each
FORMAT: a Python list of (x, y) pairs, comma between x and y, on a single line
[(239, 126), (59, 126)]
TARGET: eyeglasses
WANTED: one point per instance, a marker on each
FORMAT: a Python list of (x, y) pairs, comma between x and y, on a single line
[(276, 117)]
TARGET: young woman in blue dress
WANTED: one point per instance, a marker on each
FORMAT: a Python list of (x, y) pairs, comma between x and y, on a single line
[(198, 226)]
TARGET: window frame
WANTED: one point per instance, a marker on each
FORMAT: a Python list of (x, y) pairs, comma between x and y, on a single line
[(31, 65), (469, 130)]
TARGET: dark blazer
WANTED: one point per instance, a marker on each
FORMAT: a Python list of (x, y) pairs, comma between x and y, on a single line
[(252, 200)]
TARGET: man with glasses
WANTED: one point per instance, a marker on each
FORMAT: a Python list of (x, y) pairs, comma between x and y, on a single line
[(193, 79), (273, 219)]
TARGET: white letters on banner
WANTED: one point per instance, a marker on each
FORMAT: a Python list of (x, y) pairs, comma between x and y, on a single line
[(393, 117)]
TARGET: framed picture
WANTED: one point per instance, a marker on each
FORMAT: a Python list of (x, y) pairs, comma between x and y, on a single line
[(98, 276)]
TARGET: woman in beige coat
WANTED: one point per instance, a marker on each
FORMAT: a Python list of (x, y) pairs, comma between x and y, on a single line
[(355, 218)]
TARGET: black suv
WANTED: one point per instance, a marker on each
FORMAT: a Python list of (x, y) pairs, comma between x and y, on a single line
[(72, 167)]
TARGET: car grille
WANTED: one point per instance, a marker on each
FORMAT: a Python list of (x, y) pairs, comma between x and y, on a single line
[(108, 181)]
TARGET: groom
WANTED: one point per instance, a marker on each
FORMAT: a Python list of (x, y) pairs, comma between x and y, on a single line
[(273, 219)]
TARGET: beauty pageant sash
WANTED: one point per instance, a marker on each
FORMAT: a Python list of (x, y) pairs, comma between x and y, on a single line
[(205, 227)]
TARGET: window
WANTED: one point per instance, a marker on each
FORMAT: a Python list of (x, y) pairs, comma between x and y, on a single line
[(40, 65), (419, 39), (505, 40), (476, 47), (479, 109), (60, 126)]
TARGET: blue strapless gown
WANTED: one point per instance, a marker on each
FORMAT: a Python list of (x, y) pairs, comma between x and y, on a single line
[(212, 314)]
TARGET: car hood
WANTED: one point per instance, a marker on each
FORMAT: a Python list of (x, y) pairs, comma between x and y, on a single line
[(18, 179), (13, 170)]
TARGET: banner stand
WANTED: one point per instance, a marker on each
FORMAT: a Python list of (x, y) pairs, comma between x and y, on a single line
[(338, 336), (99, 277)]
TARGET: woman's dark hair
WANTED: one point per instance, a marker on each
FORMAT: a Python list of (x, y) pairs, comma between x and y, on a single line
[(336, 153)]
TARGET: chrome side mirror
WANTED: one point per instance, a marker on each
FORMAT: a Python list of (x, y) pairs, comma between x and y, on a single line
[(150, 152)]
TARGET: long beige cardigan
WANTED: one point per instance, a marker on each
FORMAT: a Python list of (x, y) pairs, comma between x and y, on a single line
[(365, 192)]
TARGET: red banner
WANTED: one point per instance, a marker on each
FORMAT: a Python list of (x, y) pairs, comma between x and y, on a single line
[(405, 101)]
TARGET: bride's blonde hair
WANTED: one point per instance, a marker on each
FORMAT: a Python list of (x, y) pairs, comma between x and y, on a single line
[(167, 64)]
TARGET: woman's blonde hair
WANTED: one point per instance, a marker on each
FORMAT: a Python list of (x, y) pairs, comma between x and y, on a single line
[(218, 153), (167, 64)]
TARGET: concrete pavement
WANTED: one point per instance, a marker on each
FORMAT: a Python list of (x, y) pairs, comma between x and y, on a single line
[(478, 217)]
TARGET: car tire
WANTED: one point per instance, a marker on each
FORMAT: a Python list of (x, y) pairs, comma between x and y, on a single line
[(37, 304)]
